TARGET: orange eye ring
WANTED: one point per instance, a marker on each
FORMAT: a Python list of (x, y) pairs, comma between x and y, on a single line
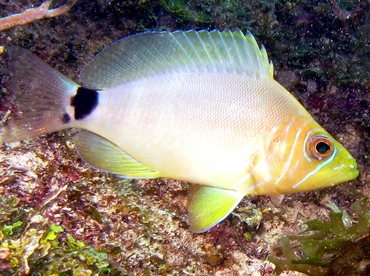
[(320, 147)]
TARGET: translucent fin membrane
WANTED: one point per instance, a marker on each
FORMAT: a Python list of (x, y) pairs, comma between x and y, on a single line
[(41, 97), (105, 155), (148, 54)]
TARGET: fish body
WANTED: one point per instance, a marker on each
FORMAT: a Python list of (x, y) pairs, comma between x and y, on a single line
[(202, 107)]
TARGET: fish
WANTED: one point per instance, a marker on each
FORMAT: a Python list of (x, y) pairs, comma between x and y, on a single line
[(197, 106)]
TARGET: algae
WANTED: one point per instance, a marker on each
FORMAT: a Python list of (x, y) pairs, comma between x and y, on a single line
[(337, 246), (141, 225), (35, 245)]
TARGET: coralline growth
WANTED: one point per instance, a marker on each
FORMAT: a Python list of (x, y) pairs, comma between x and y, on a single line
[(33, 14)]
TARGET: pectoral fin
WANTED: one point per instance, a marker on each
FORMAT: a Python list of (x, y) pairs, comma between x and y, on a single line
[(210, 206), (105, 155)]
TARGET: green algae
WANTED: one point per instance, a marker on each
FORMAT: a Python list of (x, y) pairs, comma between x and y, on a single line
[(180, 8), (318, 249), (35, 245)]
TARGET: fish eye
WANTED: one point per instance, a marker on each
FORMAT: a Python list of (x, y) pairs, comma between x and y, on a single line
[(320, 147)]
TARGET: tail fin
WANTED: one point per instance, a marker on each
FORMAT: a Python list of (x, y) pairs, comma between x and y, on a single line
[(42, 97)]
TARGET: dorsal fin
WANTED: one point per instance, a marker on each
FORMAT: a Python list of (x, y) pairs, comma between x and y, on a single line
[(148, 54)]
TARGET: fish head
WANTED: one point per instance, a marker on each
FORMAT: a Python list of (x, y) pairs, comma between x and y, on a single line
[(301, 157)]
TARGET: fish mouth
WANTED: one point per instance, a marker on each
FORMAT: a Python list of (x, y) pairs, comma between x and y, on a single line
[(354, 172), (352, 175), (319, 178), (348, 173), (352, 169), (346, 168)]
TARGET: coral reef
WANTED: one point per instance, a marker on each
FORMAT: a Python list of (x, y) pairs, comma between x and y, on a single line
[(62, 208), (31, 244)]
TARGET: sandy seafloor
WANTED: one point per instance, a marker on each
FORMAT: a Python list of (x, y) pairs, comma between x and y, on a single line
[(319, 55)]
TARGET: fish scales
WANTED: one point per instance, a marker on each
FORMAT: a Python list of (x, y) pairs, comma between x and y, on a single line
[(202, 107), (169, 129)]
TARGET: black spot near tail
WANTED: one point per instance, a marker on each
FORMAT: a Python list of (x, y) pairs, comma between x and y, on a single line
[(84, 102), (66, 118)]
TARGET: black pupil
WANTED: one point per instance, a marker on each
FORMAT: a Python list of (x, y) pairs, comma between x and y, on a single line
[(322, 147)]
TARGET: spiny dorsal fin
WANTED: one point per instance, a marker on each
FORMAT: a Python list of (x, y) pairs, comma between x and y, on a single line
[(148, 54), (103, 154)]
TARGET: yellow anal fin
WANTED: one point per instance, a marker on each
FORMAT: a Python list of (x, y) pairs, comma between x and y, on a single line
[(210, 206), (103, 154)]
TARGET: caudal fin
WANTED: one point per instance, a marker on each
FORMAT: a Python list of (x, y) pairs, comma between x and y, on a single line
[(42, 97)]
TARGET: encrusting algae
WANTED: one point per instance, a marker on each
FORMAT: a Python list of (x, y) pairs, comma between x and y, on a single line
[(33, 14), (202, 107)]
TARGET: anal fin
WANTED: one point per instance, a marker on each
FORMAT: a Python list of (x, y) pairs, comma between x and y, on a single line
[(210, 206), (103, 154)]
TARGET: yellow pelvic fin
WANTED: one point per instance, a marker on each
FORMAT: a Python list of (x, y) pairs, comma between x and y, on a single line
[(103, 154), (210, 206)]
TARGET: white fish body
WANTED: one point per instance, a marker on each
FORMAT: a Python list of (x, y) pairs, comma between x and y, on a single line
[(161, 129), (201, 107)]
